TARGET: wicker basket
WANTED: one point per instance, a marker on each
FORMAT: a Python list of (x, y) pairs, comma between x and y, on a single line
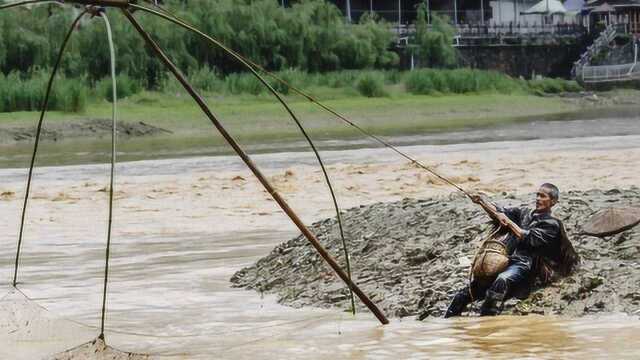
[(491, 258)]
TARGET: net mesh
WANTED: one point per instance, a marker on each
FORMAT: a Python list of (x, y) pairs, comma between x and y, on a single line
[(29, 331)]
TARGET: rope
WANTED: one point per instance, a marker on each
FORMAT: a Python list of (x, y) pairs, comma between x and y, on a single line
[(254, 66), (45, 104), (113, 165), (170, 17)]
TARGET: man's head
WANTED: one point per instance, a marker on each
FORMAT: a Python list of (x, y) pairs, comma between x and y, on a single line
[(546, 197)]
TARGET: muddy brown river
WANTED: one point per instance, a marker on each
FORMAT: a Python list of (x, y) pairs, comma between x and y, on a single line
[(174, 251), (171, 297)]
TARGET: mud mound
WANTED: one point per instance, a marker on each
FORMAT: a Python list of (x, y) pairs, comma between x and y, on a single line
[(97, 350), (411, 257), (94, 128)]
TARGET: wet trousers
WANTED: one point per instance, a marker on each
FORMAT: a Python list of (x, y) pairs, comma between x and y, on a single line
[(493, 293)]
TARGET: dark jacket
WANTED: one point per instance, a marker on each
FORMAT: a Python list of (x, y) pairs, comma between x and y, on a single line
[(545, 248)]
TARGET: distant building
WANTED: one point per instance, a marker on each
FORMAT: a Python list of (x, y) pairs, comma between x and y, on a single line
[(613, 12), (496, 12)]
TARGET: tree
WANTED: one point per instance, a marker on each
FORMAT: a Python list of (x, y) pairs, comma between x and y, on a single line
[(434, 47)]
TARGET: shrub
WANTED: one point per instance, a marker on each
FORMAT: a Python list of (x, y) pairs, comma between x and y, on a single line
[(293, 77), (206, 79), (459, 81), (246, 83), (434, 46), (125, 87), (27, 94), (371, 84), (553, 86)]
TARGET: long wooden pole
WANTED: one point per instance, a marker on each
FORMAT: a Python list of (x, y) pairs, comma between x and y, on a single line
[(114, 106), (43, 111), (263, 180)]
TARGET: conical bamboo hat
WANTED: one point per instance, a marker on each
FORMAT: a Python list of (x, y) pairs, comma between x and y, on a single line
[(611, 221)]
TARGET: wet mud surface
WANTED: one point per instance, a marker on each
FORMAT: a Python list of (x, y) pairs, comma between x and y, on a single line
[(411, 256)]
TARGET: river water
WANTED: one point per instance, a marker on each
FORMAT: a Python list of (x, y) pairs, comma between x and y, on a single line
[(586, 123), (169, 291), (170, 296)]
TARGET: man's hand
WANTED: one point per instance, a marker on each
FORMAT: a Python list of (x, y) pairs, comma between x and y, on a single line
[(513, 227), (504, 220), (476, 198)]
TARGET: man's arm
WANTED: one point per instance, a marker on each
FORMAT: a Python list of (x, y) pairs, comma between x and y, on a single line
[(497, 215), (488, 207), (512, 226)]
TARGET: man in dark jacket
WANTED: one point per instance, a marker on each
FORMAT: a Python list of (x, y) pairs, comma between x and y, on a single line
[(537, 245)]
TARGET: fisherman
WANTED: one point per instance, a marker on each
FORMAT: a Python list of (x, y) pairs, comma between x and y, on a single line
[(537, 247)]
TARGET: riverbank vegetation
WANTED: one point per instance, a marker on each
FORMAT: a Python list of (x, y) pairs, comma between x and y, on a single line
[(310, 35), (309, 44), (25, 93)]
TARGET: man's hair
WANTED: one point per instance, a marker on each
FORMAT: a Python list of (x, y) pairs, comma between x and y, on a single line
[(553, 190)]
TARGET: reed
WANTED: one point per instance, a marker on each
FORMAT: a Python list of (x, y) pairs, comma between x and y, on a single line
[(18, 93)]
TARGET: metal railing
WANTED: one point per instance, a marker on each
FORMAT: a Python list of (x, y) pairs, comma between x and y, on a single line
[(603, 40), (519, 29), (611, 73)]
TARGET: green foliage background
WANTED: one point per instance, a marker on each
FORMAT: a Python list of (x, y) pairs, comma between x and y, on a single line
[(312, 36), (433, 47)]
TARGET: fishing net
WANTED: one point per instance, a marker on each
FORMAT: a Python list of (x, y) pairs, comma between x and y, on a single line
[(29, 331)]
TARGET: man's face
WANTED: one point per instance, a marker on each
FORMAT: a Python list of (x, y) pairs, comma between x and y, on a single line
[(544, 201)]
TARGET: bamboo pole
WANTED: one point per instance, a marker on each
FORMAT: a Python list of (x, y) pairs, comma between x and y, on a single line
[(254, 169), (114, 105), (171, 18), (43, 111)]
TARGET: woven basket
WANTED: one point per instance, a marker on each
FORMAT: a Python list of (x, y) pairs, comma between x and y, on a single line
[(491, 259)]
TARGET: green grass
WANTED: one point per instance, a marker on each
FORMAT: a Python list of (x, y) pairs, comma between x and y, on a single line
[(259, 121), (262, 116)]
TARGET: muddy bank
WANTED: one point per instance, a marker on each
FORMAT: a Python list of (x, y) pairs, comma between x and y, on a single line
[(92, 128), (97, 350), (411, 256), (600, 99)]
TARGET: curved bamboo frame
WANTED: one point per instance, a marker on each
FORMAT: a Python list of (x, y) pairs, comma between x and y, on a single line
[(124, 5)]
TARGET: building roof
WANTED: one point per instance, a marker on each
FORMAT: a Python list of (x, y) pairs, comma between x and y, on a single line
[(604, 8), (546, 7), (615, 3), (574, 5)]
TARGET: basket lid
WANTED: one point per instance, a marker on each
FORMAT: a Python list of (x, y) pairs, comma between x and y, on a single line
[(611, 221)]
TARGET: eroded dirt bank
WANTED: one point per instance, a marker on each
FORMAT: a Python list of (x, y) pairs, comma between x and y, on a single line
[(91, 128), (412, 255)]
